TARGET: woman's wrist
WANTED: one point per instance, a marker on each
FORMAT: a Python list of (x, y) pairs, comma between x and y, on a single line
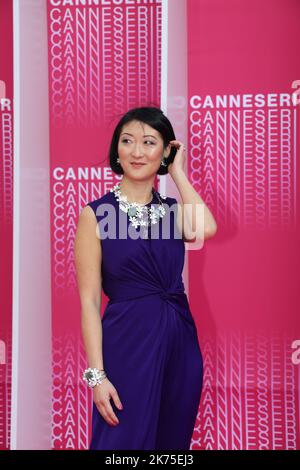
[(93, 376)]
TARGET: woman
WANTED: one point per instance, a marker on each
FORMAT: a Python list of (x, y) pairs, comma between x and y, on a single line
[(145, 363)]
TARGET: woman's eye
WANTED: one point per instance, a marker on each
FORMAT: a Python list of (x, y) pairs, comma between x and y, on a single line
[(152, 143)]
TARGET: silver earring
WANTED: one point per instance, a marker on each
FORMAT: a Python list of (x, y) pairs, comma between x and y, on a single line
[(162, 162), (118, 161)]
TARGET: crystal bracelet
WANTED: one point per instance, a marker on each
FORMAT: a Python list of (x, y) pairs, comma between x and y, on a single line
[(93, 376)]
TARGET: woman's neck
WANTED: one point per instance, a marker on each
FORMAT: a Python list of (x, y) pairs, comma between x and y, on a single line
[(137, 191)]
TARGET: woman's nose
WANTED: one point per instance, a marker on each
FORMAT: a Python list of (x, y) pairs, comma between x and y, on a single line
[(137, 150)]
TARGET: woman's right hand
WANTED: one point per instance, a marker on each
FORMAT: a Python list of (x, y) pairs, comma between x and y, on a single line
[(102, 394)]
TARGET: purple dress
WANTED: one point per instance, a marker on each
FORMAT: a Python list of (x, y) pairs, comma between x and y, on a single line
[(151, 352)]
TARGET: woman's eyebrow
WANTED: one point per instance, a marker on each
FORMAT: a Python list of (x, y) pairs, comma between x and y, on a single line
[(145, 135)]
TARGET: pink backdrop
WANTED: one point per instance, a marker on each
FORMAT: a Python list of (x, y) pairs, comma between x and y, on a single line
[(243, 142), (242, 147), (242, 160)]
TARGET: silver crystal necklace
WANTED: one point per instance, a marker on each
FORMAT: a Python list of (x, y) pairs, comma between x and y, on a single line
[(139, 214)]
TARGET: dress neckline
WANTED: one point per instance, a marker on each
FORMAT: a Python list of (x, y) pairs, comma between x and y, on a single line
[(154, 197)]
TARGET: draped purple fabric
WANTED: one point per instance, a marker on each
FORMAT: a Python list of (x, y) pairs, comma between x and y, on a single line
[(150, 345)]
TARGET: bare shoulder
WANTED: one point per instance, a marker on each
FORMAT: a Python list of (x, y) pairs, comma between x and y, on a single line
[(87, 223), (87, 212)]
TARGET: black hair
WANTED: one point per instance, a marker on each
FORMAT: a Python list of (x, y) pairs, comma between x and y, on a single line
[(155, 118)]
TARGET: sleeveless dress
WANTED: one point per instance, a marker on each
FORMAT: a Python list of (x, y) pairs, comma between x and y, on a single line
[(150, 347)]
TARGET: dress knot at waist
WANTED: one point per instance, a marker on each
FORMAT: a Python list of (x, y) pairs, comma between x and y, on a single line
[(167, 294), (177, 298)]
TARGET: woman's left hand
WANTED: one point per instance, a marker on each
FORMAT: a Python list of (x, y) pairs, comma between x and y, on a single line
[(178, 163)]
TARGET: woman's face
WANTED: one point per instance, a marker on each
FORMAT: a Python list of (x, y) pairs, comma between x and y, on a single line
[(140, 150)]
